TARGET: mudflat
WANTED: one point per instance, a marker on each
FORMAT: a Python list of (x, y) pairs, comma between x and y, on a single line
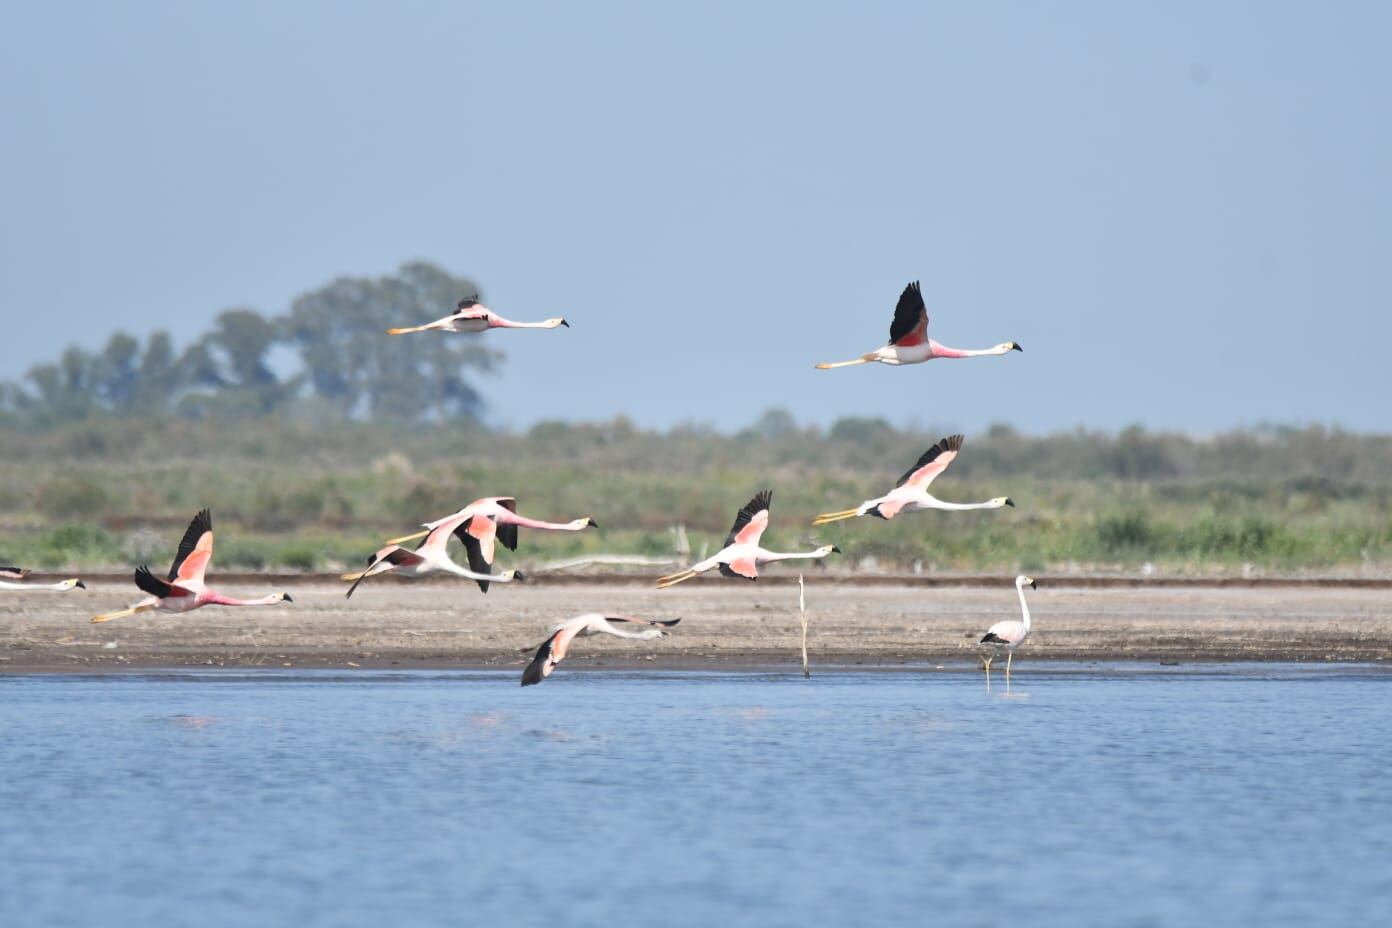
[(725, 624)]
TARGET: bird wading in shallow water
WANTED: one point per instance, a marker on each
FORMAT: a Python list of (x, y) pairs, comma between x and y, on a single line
[(742, 556), (911, 494), (1010, 634), (909, 342), (473, 316), (184, 588), (554, 649)]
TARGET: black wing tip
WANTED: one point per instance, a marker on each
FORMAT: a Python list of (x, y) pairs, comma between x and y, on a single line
[(992, 638), (762, 500)]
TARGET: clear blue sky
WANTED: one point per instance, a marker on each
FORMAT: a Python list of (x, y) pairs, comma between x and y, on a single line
[(1183, 211)]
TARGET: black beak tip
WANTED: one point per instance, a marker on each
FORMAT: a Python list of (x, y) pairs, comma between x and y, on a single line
[(594, 524), (835, 550), (1015, 346), (564, 323), (80, 585), (519, 576), (1033, 585), (288, 597), (1009, 502)]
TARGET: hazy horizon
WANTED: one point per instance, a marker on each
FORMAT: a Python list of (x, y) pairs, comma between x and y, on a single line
[(1178, 211)]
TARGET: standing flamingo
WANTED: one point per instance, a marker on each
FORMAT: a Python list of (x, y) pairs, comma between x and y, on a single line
[(473, 316), (1010, 634), (12, 578), (908, 338), (911, 494), (184, 589), (742, 556), (492, 519), (554, 649), (430, 557)]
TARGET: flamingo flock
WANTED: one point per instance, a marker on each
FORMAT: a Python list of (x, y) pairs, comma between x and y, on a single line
[(482, 525)]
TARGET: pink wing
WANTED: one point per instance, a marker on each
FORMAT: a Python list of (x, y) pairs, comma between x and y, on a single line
[(195, 550), (931, 463), (744, 567), (752, 520)]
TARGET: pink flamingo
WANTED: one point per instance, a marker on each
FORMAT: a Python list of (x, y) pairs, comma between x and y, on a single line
[(742, 556), (554, 649), (492, 519), (430, 557), (185, 590), (12, 578), (908, 338), (473, 316), (911, 494)]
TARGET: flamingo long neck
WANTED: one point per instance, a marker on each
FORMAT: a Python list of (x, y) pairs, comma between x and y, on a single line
[(624, 633), (500, 323), (512, 518), (450, 567), (934, 503), (1024, 606), (6, 585), (217, 599), (767, 556), (942, 351)]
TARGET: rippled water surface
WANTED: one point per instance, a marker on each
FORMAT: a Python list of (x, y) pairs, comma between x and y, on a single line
[(1118, 796)]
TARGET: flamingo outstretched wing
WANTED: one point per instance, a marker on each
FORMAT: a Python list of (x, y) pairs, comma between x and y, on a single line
[(741, 567), (552, 652), (507, 531), (666, 623), (149, 583), (910, 325), (752, 520), (195, 550), (478, 533), (931, 463)]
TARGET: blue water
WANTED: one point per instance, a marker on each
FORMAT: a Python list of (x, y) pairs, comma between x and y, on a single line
[(1117, 796)]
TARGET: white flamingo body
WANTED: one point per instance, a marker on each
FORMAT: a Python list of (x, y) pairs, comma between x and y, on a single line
[(1008, 635), (485, 522), (430, 557), (555, 648), (909, 342), (473, 316), (184, 589), (911, 493), (13, 578), (742, 555)]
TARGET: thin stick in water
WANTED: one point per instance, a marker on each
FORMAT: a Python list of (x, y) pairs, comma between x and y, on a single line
[(802, 610)]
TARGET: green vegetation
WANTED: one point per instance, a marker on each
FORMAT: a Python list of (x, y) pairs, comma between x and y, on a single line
[(287, 494)]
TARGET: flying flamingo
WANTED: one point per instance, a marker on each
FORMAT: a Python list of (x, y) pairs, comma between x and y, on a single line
[(11, 578), (908, 338), (911, 494), (473, 316), (554, 649), (742, 556), (1008, 635), (430, 557), (184, 589), (486, 521)]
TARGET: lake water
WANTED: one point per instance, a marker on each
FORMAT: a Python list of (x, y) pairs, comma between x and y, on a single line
[(1116, 795)]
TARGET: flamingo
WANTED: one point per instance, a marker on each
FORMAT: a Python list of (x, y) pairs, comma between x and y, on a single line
[(184, 590), (430, 557), (486, 521), (742, 556), (473, 316), (11, 578), (1010, 634), (908, 338), (554, 649), (911, 494)]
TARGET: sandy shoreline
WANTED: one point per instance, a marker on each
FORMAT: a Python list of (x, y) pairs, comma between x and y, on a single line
[(724, 626)]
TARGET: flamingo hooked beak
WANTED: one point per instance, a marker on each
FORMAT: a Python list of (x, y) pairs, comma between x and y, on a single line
[(835, 550), (1009, 501), (564, 323), (80, 585), (1015, 346)]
